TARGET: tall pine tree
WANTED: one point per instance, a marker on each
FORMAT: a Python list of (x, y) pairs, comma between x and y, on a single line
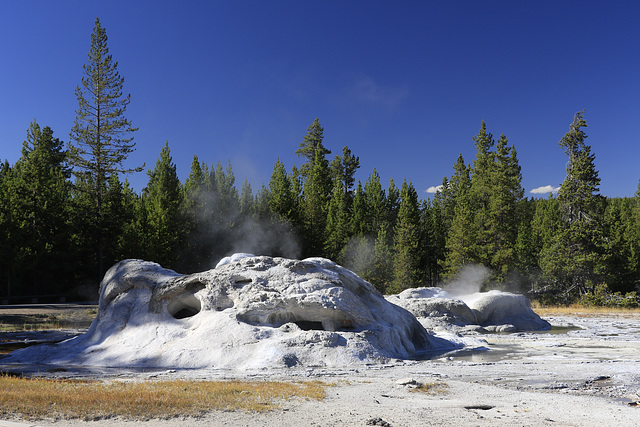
[(573, 261), (101, 138), (39, 201), (406, 248), (164, 212)]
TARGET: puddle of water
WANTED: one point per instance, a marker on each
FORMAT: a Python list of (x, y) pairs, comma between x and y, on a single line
[(8, 347), (494, 353), (559, 330)]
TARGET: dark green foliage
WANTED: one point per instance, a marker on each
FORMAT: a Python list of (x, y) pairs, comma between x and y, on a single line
[(382, 271), (338, 225), (315, 201), (198, 196), (101, 138), (122, 237), (461, 241), (163, 202), (56, 233), (312, 146), (360, 218), (282, 201), (622, 245), (6, 231), (479, 210), (451, 189), (573, 262), (35, 216), (433, 234), (601, 296), (392, 205), (502, 218), (343, 168), (407, 242)]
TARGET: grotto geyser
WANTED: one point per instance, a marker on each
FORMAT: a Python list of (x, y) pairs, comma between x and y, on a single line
[(248, 312)]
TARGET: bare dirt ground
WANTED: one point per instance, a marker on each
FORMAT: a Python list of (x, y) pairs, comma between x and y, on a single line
[(585, 372)]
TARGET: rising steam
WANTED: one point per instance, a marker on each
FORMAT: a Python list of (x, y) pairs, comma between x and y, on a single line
[(469, 280)]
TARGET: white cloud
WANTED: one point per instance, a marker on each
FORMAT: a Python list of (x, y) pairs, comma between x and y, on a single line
[(434, 189), (545, 189)]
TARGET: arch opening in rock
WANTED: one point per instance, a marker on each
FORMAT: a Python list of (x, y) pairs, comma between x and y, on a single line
[(309, 325), (184, 306)]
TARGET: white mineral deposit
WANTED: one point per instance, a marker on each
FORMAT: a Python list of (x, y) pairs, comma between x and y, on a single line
[(493, 360)]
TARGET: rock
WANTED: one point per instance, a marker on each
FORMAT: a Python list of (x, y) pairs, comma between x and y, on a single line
[(377, 422), (496, 311), (501, 328), (248, 312), (434, 302), (505, 308), (406, 381)]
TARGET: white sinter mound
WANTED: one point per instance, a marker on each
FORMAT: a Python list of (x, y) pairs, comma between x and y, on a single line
[(494, 311), (248, 312)]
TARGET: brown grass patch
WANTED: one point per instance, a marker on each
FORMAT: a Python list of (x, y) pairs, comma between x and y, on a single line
[(432, 388), (579, 310), (19, 320), (90, 400)]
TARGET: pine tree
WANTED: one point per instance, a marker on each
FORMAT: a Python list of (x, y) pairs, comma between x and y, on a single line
[(382, 271), (246, 200), (343, 168), (121, 234), (621, 253), (360, 223), (434, 237), (461, 243), (545, 224), (164, 211), (228, 201), (457, 219), (297, 187), (480, 194), (406, 248), (281, 197), (6, 231), (38, 196), (447, 197), (312, 146), (101, 136), (338, 227), (502, 217), (526, 254), (314, 185), (392, 206), (197, 208), (376, 203), (573, 262)]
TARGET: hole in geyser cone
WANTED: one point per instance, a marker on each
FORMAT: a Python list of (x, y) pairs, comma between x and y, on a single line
[(186, 306), (308, 325)]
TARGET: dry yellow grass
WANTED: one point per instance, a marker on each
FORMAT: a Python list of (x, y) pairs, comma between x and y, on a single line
[(90, 400), (582, 310), (432, 388)]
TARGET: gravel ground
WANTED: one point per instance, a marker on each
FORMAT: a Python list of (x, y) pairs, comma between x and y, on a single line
[(585, 372)]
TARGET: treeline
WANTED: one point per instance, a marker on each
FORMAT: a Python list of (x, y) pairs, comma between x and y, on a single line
[(66, 214), (559, 249)]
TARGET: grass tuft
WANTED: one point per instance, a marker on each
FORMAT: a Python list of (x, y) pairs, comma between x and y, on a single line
[(432, 388), (35, 398)]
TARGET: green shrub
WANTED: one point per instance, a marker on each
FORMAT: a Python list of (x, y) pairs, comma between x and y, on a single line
[(601, 296)]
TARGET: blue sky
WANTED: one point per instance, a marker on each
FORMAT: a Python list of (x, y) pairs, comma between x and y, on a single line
[(404, 84)]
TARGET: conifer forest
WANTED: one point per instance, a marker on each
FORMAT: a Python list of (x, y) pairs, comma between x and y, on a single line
[(68, 213)]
